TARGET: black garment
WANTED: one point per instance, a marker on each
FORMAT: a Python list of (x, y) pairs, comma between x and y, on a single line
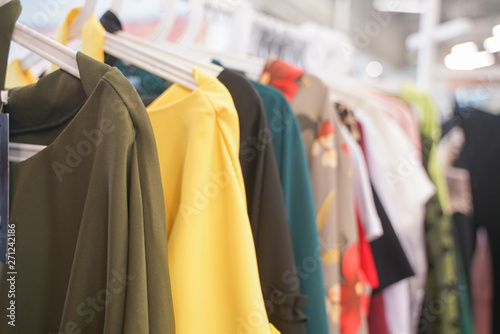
[(481, 157), (266, 207), (390, 259), (465, 242), (464, 227), (112, 24)]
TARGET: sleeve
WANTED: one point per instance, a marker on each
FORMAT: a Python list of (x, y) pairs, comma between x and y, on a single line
[(148, 258), (275, 253), (148, 307)]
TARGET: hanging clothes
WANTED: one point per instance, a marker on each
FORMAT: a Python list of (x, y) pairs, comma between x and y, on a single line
[(208, 229), (367, 262), (404, 188), (90, 202), (331, 176), (401, 113), (390, 259), (9, 13), (442, 274), (266, 208), (265, 202), (362, 189), (92, 35), (458, 182), (282, 76), (377, 316), (482, 284), (480, 157), (294, 174)]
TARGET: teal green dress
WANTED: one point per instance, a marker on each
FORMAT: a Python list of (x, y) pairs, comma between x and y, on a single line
[(294, 174)]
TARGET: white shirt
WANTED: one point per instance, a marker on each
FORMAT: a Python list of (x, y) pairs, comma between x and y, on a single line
[(404, 188), (362, 189)]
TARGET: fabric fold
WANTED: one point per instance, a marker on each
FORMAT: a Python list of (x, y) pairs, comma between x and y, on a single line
[(287, 306)]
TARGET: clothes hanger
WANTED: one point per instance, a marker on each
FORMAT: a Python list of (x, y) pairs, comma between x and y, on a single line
[(116, 6), (187, 56), (167, 22), (145, 55), (74, 31), (194, 23), (165, 67), (54, 52), (167, 50), (154, 62), (252, 66), (171, 52), (86, 12), (239, 60)]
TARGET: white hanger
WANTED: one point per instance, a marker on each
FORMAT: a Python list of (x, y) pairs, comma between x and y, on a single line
[(160, 62), (154, 62), (194, 23), (167, 21), (168, 51), (56, 53), (251, 65), (116, 6), (74, 31), (165, 67), (85, 13)]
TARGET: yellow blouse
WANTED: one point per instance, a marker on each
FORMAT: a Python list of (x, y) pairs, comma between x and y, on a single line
[(17, 77), (212, 261)]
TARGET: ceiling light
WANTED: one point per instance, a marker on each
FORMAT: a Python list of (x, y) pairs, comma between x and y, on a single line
[(456, 61), (483, 59), (492, 44), (496, 30), (469, 61), (469, 47), (374, 69), (399, 6)]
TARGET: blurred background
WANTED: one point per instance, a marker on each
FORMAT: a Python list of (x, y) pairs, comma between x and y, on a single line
[(449, 47)]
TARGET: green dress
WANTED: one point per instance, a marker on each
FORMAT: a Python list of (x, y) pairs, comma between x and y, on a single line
[(91, 252)]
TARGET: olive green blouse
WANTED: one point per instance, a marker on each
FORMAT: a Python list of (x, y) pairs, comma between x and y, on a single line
[(91, 252)]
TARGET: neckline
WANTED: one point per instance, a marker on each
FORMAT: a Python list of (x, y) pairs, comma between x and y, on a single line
[(202, 78), (91, 73)]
